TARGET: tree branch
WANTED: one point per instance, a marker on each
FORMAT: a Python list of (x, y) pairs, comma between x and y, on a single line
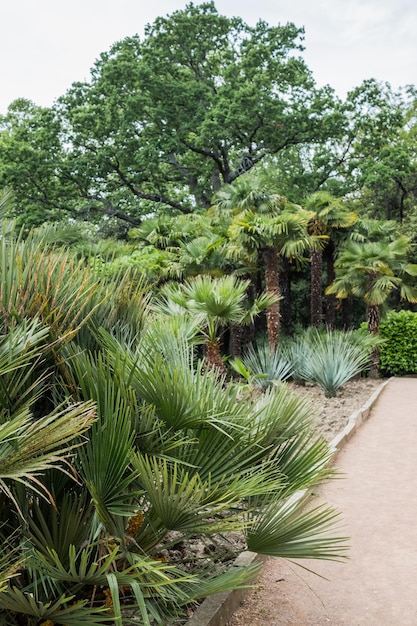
[(335, 165), (106, 209), (152, 197), (207, 153)]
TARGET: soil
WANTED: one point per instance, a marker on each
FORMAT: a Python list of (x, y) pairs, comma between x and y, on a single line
[(332, 414)]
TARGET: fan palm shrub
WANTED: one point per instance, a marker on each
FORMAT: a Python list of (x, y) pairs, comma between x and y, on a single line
[(217, 302), (30, 444), (99, 523)]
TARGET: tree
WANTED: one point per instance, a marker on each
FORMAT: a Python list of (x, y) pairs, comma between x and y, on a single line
[(381, 163), (33, 164), (329, 214), (372, 271), (165, 120), (265, 226)]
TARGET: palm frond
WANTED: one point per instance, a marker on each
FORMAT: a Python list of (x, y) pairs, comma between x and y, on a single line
[(28, 448), (285, 529)]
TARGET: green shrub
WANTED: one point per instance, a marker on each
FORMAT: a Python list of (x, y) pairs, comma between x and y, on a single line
[(398, 354)]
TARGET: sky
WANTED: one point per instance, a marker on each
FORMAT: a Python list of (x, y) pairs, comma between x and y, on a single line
[(46, 45)]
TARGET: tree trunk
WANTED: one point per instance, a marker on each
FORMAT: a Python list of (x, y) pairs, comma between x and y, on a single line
[(235, 341), (286, 314), (270, 259), (374, 318), (315, 293), (331, 298), (214, 358)]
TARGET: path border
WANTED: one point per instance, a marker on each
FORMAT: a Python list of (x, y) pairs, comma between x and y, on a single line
[(217, 610)]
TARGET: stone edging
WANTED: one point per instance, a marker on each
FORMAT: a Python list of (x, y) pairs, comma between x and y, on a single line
[(217, 610)]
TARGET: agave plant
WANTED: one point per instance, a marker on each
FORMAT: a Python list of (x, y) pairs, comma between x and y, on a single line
[(329, 359), (263, 365)]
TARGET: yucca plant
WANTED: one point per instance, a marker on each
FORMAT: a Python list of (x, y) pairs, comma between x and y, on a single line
[(329, 359)]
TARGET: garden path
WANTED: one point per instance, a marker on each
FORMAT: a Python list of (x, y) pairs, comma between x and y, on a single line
[(377, 495)]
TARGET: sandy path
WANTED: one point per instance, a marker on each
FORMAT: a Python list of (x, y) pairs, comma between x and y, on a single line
[(378, 500)]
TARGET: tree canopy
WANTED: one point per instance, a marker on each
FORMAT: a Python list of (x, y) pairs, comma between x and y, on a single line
[(166, 119)]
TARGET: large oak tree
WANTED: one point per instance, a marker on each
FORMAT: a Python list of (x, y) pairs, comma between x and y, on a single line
[(167, 118)]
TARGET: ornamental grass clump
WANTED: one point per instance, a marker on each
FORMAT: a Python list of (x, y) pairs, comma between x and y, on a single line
[(330, 359)]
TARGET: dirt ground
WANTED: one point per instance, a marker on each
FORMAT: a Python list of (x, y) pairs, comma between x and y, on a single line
[(332, 414)]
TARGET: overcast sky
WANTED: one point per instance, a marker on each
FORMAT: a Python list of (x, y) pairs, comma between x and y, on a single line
[(46, 45)]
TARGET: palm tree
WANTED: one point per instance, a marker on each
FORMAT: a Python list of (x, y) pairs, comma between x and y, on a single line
[(218, 302), (372, 271), (365, 230), (368, 229), (329, 215), (264, 225)]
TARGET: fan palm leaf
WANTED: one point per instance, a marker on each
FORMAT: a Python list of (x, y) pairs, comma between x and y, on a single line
[(284, 528)]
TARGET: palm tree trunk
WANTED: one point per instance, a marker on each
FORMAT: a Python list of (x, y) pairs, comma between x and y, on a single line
[(330, 276), (270, 259), (285, 281), (315, 295), (214, 358), (374, 318), (235, 341)]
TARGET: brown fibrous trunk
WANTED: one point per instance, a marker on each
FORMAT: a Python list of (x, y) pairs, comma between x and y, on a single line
[(270, 259)]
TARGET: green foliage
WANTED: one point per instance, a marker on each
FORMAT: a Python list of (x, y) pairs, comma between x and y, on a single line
[(329, 359), (372, 270), (398, 354), (382, 163), (216, 302), (91, 524), (263, 366), (164, 120)]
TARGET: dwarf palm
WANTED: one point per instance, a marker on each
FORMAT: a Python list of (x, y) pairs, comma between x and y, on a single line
[(218, 302), (231, 450), (30, 447)]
